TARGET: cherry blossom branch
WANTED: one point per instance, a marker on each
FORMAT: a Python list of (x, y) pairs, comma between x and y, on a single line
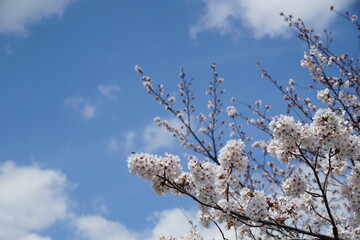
[(323, 192), (245, 218)]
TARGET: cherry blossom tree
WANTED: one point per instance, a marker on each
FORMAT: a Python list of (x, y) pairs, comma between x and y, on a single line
[(303, 185)]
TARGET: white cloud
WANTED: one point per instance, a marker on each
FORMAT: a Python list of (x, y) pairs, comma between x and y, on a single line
[(17, 15), (175, 222), (125, 144), (99, 206), (31, 200), (96, 227), (114, 145), (34, 237), (88, 111), (108, 90), (129, 140), (149, 139), (172, 222), (74, 102), (262, 16), (155, 137)]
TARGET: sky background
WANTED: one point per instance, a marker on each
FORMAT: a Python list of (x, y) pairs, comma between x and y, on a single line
[(72, 107)]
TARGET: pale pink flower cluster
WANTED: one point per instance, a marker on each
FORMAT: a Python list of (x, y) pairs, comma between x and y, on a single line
[(256, 204), (192, 234), (155, 169), (324, 96), (146, 82), (231, 111), (286, 134), (210, 183), (232, 155), (203, 174), (294, 185), (328, 130), (310, 63), (352, 192), (347, 98)]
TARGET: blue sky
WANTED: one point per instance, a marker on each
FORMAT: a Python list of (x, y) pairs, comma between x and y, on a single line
[(73, 107)]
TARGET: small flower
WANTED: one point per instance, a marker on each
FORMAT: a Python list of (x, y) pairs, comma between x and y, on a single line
[(201, 117), (138, 69), (182, 74), (179, 114), (203, 130), (258, 103), (231, 110), (354, 18), (146, 84), (157, 119), (171, 99), (211, 104)]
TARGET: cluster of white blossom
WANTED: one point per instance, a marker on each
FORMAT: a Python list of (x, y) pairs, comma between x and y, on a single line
[(352, 192), (324, 96), (232, 155), (328, 131), (286, 136), (256, 204), (155, 169), (231, 111), (192, 234), (314, 69), (294, 185), (211, 184)]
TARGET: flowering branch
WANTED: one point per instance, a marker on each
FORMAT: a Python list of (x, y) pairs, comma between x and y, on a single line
[(307, 184)]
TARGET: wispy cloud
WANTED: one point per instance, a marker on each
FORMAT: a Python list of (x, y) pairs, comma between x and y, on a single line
[(84, 106), (99, 205), (261, 17), (125, 144), (86, 110), (155, 137), (151, 138), (109, 90), (17, 15), (114, 144), (129, 140), (31, 200), (74, 102), (8, 49)]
